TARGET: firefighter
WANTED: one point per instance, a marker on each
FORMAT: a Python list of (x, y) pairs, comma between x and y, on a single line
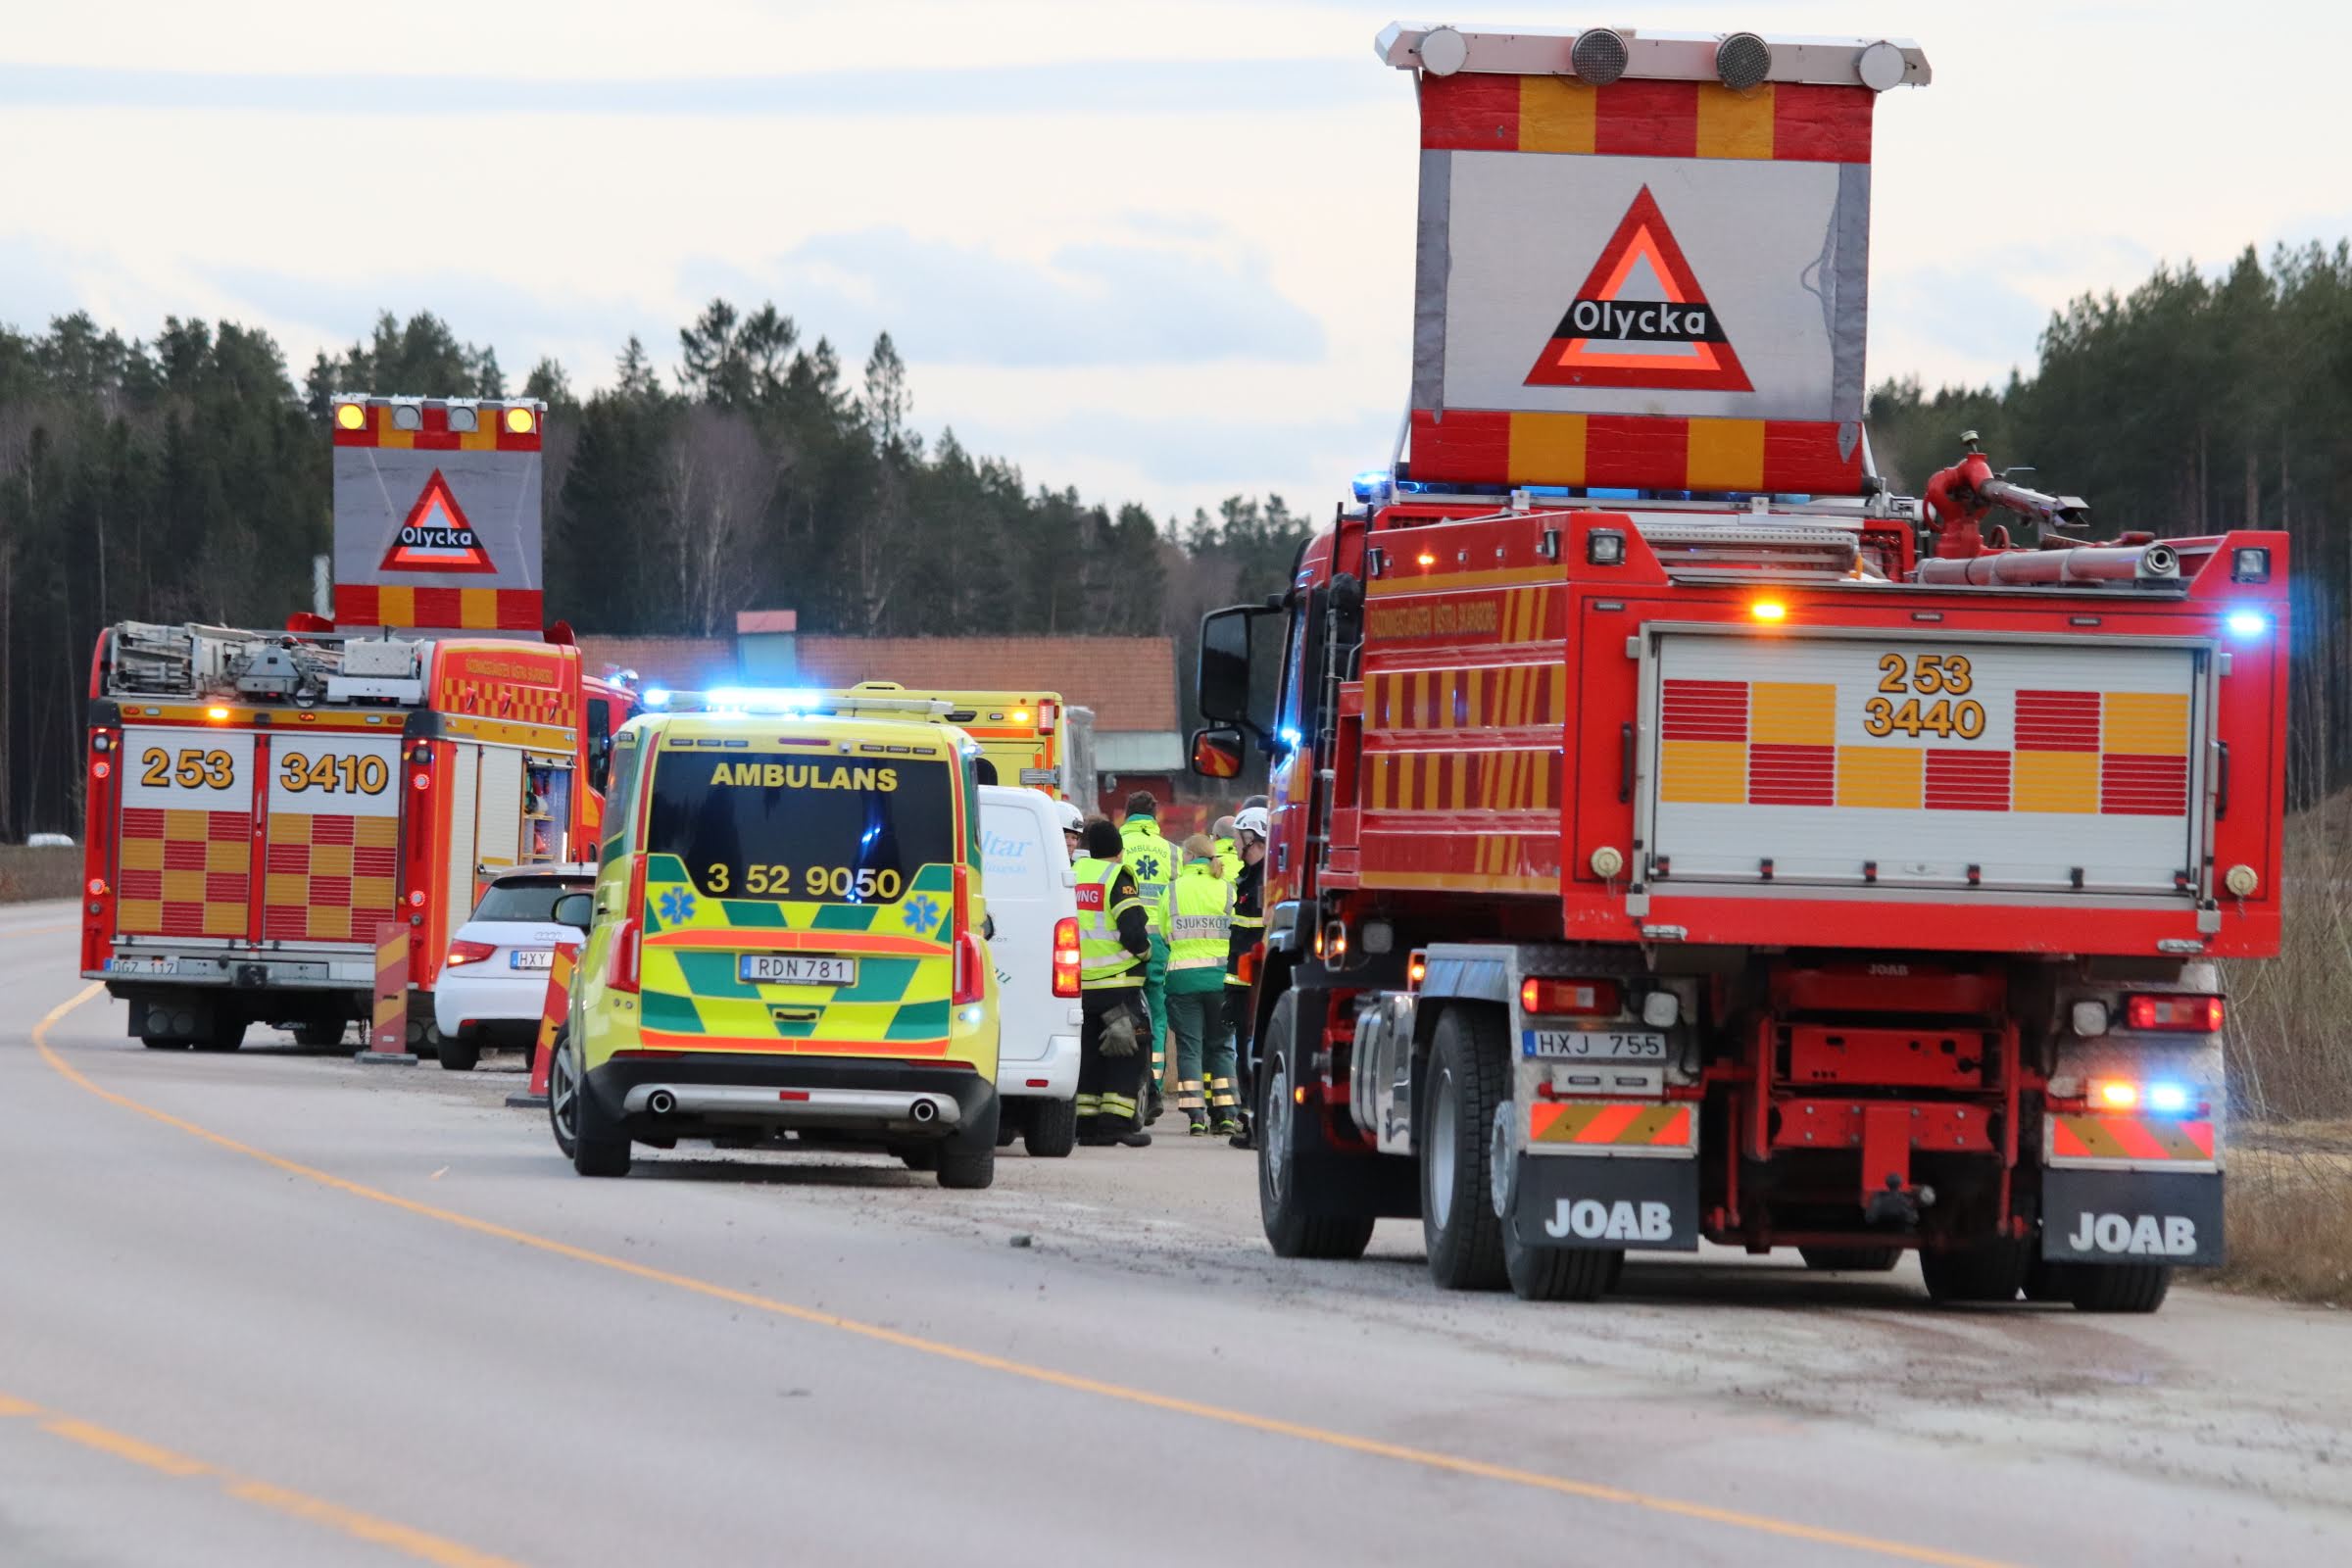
[(1152, 859), (1249, 926), (1073, 829), (1199, 946), (1114, 942), (1229, 860)]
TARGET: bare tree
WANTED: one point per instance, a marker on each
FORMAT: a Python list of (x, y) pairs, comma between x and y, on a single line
[(718, 478)]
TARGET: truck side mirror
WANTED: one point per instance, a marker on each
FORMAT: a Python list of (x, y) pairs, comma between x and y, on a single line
[(575, 910), (1224, 681), (1217, 753)]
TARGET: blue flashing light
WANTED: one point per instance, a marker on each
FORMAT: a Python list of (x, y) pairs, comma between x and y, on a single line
[(1289, 737), (2247, 624), (656, 696), (1611, 493), (1372, 485), (2168, 1100), (761, 700)]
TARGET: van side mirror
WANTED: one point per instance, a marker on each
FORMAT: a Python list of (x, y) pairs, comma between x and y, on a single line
[(1217, 753), (1223, 684), (575, 910)]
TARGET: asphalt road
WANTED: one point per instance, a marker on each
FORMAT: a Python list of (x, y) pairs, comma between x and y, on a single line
[(283, 1308)]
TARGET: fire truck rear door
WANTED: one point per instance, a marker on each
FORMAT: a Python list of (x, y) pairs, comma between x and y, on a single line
[(185, 840)]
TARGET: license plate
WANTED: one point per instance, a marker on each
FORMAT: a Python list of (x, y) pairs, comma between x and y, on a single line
[(146, 966), (532, 957), (797, 969), (1595, 1045)]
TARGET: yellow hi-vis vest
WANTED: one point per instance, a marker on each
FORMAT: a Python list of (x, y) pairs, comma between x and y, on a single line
[(1152, 859), (1103, 962), (1229, 860), (1203, 928)]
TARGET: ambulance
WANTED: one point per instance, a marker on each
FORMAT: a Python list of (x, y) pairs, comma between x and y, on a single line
[(1025, 738), (785, 945)]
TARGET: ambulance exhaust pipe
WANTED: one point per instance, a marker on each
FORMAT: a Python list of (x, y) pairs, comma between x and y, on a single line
[(925, 1112), (660, 1102)]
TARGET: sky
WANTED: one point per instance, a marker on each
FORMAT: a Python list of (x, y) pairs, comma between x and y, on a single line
[(1159, 251)]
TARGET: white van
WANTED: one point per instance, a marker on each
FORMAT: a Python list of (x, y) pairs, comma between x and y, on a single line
[(1032, 897)]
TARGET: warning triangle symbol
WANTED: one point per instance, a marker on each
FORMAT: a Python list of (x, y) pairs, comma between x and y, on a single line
[(1640, 318), (436, 537)]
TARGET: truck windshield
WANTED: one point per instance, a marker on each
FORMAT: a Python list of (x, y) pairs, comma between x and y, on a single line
[(821, 830)]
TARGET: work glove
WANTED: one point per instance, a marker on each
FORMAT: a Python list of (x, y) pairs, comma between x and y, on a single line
[(1120, 1037)]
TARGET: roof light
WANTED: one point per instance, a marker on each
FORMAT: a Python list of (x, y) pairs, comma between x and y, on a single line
[(1769, 610), (1371, 485), (350, 417), (2247, 624), (521, 421), (1881, 65), (657, 697), (1600, 55), (1743, 60), (1443, 51)]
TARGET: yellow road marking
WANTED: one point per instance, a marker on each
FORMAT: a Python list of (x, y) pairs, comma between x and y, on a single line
[(1425, 1458), (416, 1543)]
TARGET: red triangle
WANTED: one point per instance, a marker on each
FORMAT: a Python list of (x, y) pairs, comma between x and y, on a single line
[(436, 537), (1576, 355)]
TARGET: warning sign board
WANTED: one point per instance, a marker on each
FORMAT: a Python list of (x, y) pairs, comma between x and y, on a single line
[(436, 537), (1640, 318)]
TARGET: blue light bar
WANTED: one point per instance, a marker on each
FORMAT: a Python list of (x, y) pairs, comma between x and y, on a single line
[(1372, 485), (2247, 624), (656, 696)]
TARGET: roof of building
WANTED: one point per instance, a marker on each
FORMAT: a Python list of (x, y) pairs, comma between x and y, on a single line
[(1130, 682)]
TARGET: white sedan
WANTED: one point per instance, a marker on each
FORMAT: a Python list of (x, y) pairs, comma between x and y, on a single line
[(493, 983)]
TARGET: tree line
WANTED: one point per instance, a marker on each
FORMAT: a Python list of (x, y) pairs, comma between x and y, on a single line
[(187, 478)]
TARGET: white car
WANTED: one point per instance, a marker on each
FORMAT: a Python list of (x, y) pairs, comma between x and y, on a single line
[(1032, 900), (493, 984)]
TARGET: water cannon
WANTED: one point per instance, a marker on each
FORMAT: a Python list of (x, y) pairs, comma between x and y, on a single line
[(1959, 499)]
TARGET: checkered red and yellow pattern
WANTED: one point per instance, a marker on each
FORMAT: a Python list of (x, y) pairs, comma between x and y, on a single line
[(186, 873), (439, 609), (1481, 446), (1775, 743), (331, 878), (2134, 1138)]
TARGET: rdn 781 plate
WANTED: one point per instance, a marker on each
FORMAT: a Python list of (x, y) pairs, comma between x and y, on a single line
[(799, 970), (1593, 1044)]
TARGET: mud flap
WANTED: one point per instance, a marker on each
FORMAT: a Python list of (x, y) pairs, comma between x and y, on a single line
[(1590, 1201), (2131, 1216)]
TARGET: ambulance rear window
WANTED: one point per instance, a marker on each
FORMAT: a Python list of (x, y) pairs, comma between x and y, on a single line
[(809, 830)]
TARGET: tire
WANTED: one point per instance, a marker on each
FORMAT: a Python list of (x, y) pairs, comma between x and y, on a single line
[(1283, 1165), (225, 1034), (1850, 1259), (163, 1043), (967, 1157), (1466, 1079), (562, 1091), (599, 1147), (459, 1056), (1559, 1273), (319, 1034), (1053, 1130), (2119, 1287), (1987, 1273)]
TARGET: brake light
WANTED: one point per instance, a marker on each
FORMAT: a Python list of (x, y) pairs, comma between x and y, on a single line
[(1047, 714), (1065, 956), (1571, 998), (2195, 1015), (464, 952), (971, 970), (623, 964)]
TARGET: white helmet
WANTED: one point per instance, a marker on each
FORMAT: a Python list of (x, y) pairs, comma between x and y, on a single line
[(1251, 820), (1073, 820)]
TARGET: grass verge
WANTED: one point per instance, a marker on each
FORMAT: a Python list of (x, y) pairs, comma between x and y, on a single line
[(2289, 1213), (27, 874)]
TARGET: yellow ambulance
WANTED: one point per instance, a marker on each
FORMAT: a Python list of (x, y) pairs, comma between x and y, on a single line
[(1024, 737), (785, 942)]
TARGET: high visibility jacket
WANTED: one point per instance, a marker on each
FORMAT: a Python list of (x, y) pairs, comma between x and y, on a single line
[(1229, 861), (1106, 892), (1152, 859), (1202, 933), (1248, 918)]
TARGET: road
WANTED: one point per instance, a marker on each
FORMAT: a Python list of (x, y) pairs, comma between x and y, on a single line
[(274, 1307)]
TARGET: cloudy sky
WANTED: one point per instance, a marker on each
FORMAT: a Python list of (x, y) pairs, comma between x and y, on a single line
[(1157, 250)]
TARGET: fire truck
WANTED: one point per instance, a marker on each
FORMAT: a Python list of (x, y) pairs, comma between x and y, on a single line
[(258, 803), (1679, 836)]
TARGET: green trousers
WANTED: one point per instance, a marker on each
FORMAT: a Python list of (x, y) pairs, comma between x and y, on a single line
[(1156, 1001), (1204, 1077)]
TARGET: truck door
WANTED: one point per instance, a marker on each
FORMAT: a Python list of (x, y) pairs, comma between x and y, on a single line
[(185, 836), (333, 836)]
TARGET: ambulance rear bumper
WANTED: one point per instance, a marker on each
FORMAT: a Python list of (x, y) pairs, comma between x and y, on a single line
[(672, 1092)]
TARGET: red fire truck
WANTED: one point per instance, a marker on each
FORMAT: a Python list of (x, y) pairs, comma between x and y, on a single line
[(259, 802), (1696, 861)]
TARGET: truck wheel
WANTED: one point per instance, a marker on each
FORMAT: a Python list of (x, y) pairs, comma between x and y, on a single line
[(163, 1042), (459, 1056), (1559, 1273), (967, 1157), (319, 1034), (1992, 1271), (1288, 1140), (600, 1145), (1467, 1078), (2119, 1287), (1053, 1130), (1850, 1259), (225, 1034), (562, 1093)]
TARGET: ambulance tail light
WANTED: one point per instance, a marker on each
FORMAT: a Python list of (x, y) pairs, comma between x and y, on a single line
[(2192, 1015), (1047, 714), (970, 982), (624, 966), (1065, 956)]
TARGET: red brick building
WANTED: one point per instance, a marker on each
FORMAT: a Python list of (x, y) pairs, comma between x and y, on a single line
[(1128, 682)]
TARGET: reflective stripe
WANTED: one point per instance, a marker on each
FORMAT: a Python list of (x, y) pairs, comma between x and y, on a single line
[(1118, 1105), (1204, 919), (1103, 962), (1152, 859)]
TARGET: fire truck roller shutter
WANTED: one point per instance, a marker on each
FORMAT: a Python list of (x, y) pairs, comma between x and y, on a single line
[(465, 777), (498, 839)]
